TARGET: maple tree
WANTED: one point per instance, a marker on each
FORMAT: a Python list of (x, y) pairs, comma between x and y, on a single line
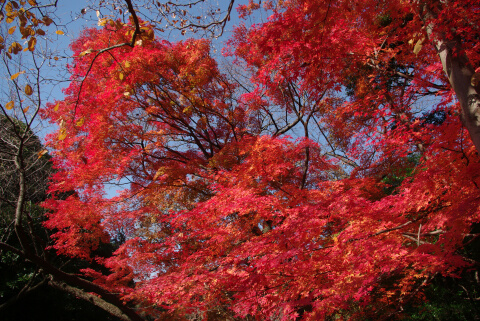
[(28, 267), (223, 212)]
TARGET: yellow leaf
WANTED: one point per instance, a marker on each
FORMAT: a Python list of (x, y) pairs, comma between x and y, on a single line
[(26, 109), (121, 76), (14, 76), (418, 46), (62, 133), (159, 172), (80, 122), (9, 7), (59, 32), (12, 30), (42, 152), (32, 2), (9, 105), (56, 107), (102, 22), (86, 52), (28, 90), (127, 64)]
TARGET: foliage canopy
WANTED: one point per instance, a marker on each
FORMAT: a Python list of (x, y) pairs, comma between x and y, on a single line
[(337, 182)]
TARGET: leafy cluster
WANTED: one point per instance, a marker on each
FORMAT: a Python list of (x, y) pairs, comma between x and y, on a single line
[(282, 198)]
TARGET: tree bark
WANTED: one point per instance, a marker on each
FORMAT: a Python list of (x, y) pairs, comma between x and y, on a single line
[(459, 72), (95, 300), (106, 300)]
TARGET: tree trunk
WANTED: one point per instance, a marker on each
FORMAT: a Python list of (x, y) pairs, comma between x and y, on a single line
[(459, 72)]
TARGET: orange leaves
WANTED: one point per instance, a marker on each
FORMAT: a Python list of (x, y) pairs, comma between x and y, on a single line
[(14, 76), (62, 133), (28, 23), (9, 105), (15, 48), (28, 90), (31, 43)]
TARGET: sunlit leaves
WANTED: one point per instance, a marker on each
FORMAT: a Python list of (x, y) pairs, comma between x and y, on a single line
[(221, 210)]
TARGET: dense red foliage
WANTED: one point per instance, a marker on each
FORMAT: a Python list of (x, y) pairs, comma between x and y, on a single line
[(223, 211)]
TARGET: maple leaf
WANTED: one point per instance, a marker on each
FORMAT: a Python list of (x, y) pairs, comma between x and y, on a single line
[(375, 198)]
